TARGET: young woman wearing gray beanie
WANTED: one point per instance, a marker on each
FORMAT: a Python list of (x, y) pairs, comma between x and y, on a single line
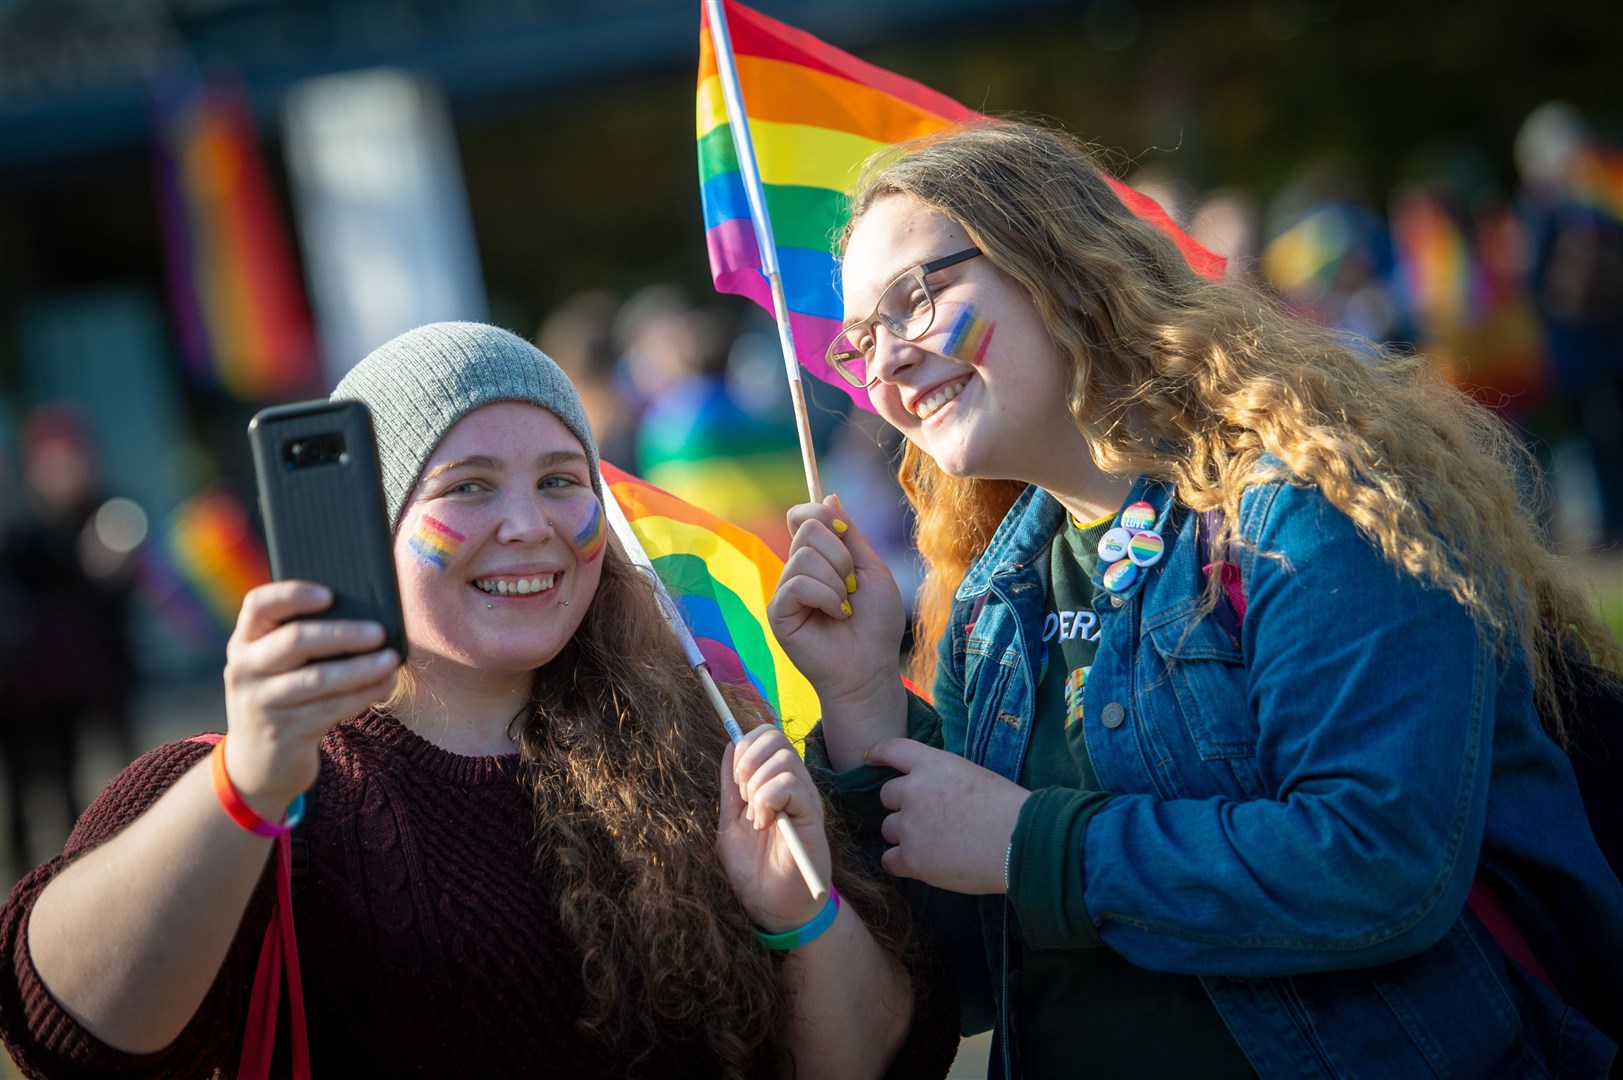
[(516, 861)]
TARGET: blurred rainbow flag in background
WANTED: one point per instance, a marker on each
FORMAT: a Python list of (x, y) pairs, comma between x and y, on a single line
[(1598, 180), (212, 545), (720, 577), (238, 300), (815, 114), (1435, 264)]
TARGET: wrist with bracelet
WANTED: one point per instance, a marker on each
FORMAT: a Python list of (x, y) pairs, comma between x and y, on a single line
[(811, 931), (232, 802)]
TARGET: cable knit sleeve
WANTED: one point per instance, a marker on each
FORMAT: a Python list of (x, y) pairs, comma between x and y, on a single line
[(42, 1038)]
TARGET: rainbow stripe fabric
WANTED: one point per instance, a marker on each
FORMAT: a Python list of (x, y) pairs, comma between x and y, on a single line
[(214, 548), (815, 114), (239, 304), (1598, 183), (721, 578)]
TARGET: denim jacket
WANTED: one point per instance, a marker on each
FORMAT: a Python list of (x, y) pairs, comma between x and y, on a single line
[(1299, 804)]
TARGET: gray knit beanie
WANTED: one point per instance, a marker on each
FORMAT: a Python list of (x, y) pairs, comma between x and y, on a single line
[(427, 379)]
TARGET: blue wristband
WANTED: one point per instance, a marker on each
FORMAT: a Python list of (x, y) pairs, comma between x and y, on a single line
[(803, 935)]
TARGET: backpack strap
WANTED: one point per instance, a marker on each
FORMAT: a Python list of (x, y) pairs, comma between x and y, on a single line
[(278, 958), (1228, 569), (1482, 900)]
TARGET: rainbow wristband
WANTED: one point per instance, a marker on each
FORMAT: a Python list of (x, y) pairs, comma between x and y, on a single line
[(803, 935), (239, 811)]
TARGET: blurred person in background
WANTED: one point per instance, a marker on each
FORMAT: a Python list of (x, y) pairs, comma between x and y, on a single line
[(694, 438), (68, 592), (1245, 657), (533, 854), (1572, 200), (579, 334)]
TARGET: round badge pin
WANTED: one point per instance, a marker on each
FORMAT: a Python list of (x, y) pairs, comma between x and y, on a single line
[(1120, 576), (1113, 544), (1140, 515), (1145, 549)]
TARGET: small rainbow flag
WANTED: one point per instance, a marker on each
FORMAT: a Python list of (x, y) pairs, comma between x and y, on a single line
[(721, 578), (214, 548), (815, 114), (1598, 179), (1435, 265), (238, 300)]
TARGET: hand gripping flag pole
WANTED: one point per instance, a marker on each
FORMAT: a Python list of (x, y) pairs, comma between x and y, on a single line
[(628, 540), (745, 149)]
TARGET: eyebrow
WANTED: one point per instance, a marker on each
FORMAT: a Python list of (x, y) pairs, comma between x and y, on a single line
[(547, 460), (893, 279)]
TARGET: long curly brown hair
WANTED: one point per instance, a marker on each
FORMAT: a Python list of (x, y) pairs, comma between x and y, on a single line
[(1194, 381), (622, 751)]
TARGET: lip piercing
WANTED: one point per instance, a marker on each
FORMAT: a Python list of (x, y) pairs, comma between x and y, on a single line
[(489, 605), (563, 603)]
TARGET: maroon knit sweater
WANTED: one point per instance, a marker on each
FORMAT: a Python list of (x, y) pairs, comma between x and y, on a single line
[(429, 942)]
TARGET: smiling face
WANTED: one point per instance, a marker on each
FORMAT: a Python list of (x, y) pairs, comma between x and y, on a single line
[(983, 391), (500, 544)]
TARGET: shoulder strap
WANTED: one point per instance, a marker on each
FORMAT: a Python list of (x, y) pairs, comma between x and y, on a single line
[(1228, 567), (279, 953)]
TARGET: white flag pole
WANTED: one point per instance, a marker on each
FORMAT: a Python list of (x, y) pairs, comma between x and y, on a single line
[(673, 615), (744, 148)]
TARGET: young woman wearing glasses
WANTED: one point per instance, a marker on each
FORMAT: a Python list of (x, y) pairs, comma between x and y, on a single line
[(1161, 830)]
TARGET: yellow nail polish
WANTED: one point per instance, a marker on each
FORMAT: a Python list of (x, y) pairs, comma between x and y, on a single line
[(850, 583), (845, 606), (840, 526)]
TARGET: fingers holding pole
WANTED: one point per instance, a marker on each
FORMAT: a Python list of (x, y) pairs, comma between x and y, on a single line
[(808, 872)]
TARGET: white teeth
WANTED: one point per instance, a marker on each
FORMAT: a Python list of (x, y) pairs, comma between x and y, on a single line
[(521, 587), (929, 406)]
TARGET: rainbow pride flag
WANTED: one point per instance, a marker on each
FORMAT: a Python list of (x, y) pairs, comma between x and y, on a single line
[(1436, 268), (238, 300), (211, 543), (720, 577), (815, 114), (1598, 179)]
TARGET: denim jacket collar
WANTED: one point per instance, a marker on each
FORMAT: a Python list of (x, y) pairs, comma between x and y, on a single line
[(1029, 526)]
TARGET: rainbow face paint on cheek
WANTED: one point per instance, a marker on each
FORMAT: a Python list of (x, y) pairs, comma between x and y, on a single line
[(434, 542), (592, 536), (968, 337)]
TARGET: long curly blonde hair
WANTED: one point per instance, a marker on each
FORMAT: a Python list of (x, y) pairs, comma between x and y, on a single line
[(622, 751), (1193, 381)]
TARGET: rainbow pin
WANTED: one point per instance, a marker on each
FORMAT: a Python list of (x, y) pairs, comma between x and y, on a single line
[(1074, 683), (1120, 576), (1138, 516), (968, 337), (1113, 544), (593, 535), (434, 542), (1145, 548)]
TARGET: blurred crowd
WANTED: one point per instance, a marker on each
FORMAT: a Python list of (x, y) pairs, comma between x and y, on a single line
[(1517, 294)]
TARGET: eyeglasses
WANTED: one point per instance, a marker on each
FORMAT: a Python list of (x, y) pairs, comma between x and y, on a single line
[(906, 308)]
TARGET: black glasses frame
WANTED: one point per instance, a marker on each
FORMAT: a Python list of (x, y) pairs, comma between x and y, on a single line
[(838, 359)]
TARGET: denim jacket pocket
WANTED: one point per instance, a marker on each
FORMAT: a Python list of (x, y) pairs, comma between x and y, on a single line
[(1205, 670)]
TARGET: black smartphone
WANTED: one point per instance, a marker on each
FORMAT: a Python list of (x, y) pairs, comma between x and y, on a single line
[(321, 497)]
